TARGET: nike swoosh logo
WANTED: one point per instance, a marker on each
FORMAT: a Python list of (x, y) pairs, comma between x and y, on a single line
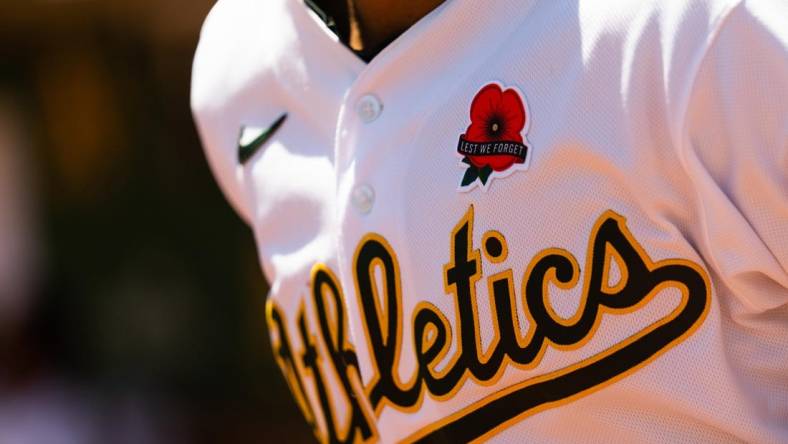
[(251, 139)]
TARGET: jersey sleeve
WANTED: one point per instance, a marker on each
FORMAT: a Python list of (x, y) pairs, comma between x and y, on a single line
[(214, 90), (735, 141)]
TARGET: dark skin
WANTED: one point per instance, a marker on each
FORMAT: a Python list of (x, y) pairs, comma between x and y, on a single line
[(369, 25)]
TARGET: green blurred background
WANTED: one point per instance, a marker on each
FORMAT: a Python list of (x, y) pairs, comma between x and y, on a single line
[(136, 301)]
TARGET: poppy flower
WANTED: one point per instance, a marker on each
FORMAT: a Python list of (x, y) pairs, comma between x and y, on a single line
[(497, 115)]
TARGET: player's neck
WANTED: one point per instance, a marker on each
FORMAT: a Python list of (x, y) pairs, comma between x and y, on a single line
[(375, 23)]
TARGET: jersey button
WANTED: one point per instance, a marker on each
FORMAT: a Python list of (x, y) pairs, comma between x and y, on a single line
[(369, 108), (363, 198)]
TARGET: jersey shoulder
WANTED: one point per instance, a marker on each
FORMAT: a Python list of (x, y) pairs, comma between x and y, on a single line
[(670, 24), (673, 26), (663, 44), (240, 39), (234, 78)]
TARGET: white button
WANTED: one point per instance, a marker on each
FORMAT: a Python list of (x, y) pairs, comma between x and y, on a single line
[(363, 198), (369, 108)]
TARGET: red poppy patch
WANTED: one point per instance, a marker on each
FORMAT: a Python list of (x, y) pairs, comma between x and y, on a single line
[(494, 145)]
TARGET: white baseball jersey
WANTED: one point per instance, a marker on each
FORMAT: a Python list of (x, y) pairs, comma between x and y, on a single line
[(523, 220)]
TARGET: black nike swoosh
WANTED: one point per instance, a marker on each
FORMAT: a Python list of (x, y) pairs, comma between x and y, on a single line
[(246, 151)]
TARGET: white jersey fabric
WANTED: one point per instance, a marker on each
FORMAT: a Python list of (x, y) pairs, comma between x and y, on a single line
[(524, 220)]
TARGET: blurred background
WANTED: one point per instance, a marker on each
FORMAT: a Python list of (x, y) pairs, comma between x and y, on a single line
[(131, 302)]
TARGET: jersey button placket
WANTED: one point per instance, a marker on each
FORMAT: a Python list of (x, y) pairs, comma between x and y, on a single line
[(369, 108), (363, 198)]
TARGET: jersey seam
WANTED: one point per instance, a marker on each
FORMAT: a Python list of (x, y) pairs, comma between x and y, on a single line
[(711, 39)]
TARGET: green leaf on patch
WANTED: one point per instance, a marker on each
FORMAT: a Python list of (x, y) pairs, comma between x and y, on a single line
[(471, 174), (466, 161), (484, 174)]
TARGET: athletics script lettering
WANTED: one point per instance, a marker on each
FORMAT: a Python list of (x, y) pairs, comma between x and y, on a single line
[(640, 281)]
